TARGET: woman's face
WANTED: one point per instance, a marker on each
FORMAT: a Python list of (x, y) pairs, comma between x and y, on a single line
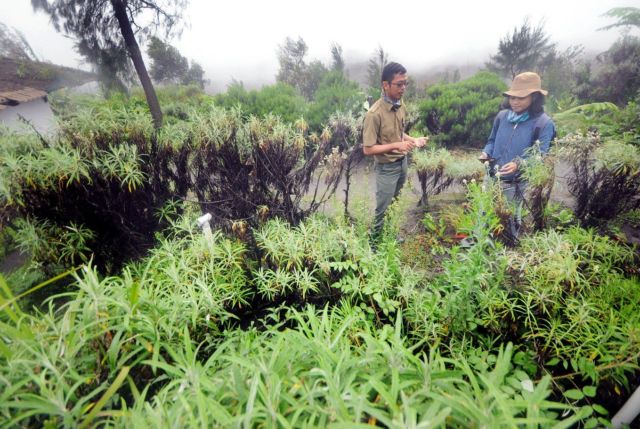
[(520, 104)]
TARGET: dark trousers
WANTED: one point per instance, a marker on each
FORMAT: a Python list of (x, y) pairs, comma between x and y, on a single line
[(390, 178)]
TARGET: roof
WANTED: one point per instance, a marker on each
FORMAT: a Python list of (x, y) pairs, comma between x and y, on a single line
[(21, 95)]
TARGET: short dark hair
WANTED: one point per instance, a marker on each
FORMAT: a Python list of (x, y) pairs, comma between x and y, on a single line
[(390, 70), (536, 107)]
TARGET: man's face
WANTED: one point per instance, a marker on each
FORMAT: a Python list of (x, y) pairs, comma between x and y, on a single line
[(395, 89)]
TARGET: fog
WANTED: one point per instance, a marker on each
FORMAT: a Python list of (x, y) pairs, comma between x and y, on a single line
[(239, 39)]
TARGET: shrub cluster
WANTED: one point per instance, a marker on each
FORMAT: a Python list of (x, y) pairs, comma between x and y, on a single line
[(461, 114), (605, 177), (107, 172)]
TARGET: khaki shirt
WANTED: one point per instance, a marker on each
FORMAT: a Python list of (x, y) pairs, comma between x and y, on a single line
[(382, 125)]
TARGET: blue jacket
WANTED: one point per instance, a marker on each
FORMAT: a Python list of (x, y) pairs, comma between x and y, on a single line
[(508, 142)]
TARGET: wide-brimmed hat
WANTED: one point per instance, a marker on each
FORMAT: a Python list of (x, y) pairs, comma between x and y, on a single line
[(524, 84)]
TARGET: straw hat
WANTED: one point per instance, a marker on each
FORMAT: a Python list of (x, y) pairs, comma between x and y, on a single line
[(524, 84)]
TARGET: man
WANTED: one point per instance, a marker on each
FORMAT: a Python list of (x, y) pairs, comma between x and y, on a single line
[(383, 137)]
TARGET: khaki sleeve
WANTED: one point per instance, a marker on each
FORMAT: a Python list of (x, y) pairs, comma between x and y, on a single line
[(370, 129)]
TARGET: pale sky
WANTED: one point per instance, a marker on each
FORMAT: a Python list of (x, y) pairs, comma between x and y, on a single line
[(239, 38)]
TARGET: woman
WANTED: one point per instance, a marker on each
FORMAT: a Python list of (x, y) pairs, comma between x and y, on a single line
[(516, 129)]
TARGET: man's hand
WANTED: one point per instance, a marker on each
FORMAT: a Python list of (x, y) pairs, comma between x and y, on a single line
[(421, 141), (405, 146), (509, 167)]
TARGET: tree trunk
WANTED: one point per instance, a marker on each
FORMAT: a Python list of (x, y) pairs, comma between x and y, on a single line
[(120, 10)]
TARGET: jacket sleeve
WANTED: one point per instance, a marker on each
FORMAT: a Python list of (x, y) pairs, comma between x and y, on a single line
[(488, 149), (546, 136)]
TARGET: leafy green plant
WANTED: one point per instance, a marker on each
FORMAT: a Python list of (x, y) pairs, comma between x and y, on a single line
[(538, 172), (461, 114), (605, 177), (438, 169)]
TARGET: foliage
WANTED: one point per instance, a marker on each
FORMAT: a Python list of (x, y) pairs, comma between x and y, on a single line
[(605, 178), (347, 152), (279, 99), (617, 79), (538, 172), (195, 76), (212, 331), (337, 58), (523, 50), (335, 93), (438, 169), (627, 17), (586, 117), (105, 34), (298, 322), (309, 375), (378, 60), (169, 66), (13, 44), (295, 71), (609, 120), (461, 114), (292, 64), (560, 76), (108, 173), (627, 124)]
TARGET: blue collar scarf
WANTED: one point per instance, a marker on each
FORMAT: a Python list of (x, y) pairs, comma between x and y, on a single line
[(514, 118)]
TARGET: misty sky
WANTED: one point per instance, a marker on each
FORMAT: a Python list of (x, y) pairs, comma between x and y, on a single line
[(239, 38)]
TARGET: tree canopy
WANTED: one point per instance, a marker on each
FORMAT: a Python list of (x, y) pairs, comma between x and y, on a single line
[(627, 17), (105, 34), (377, 62), (14, 45), (169, 66), (522, 50)]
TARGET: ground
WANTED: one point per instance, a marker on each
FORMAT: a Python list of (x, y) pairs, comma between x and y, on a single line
[(363, 191)]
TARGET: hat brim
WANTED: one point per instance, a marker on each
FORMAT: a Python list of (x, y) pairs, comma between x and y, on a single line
[(524, 92)]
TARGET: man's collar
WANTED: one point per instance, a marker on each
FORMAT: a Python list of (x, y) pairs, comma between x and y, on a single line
[(395, 105)]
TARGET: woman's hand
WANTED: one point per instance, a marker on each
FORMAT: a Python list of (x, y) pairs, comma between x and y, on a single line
[(508, 168)]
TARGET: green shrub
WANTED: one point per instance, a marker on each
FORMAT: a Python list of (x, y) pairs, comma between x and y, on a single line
[(335, 93), (605, 177), (279, 99), (109, 172), (461, 114), (438, 169)]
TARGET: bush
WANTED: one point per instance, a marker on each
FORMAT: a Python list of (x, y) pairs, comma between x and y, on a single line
[(461, 114), (280, 99), (439, 169), (335, 93), (605, 177), (109, 174), (618, 77)]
